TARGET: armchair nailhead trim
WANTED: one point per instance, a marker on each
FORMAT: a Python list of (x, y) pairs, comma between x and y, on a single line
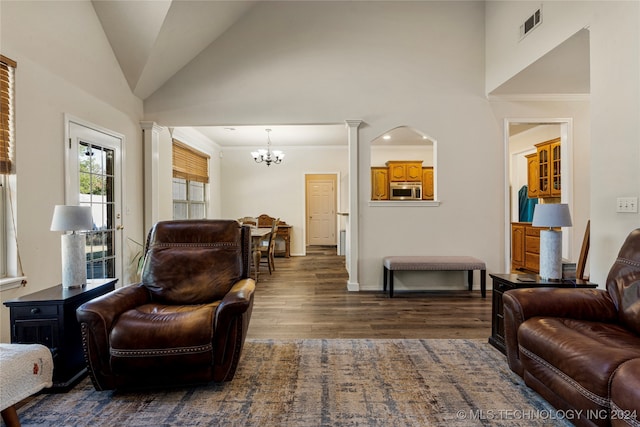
[(161, 351), (602, 401), (628, 262), (195, 245)]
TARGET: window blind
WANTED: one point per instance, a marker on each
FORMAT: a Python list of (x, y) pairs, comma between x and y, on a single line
[(189, 164), (7, 67)]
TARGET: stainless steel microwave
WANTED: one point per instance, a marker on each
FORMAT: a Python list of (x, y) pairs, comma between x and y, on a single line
[(405, 190)]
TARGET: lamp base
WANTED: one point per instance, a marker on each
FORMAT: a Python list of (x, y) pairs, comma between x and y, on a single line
[(551, 255), (74, 261)]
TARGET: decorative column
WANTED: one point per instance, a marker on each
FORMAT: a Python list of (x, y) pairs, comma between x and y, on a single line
[(151, 143), (352, 224)]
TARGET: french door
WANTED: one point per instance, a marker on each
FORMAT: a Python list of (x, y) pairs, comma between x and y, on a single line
[(93, 178)]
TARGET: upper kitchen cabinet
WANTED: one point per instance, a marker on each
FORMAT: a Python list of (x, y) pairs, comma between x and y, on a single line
[(404, 170), (548, 165), (532, 176), (379, 183), (419, 151)]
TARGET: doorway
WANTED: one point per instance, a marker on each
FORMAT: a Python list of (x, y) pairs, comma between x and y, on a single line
[(321, 205), (93, 178), (520, 136)]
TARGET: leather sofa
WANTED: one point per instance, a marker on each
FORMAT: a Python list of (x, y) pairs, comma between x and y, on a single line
[(187, 320), (580, 348)]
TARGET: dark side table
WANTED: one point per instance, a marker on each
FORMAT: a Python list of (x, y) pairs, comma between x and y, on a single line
[(48, 317), (505, 282)]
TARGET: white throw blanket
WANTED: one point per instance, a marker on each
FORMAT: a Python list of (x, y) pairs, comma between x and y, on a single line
[(24, 370)]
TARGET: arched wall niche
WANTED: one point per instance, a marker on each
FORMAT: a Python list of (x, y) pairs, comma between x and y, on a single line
[(405, 143)]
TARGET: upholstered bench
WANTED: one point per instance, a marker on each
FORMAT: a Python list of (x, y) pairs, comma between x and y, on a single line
[(434, 263)]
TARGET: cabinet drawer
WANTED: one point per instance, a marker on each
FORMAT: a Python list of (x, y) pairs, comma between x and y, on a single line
[(532, 245), (35, 311), (533, 231), (532, 262)]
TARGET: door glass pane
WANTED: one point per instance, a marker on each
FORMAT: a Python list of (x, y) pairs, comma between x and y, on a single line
[(96, 190)]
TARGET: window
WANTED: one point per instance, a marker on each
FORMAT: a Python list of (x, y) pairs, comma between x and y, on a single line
[(190, 179), (10, 271)]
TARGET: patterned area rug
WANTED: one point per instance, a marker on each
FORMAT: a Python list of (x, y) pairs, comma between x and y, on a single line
[(323, 383)]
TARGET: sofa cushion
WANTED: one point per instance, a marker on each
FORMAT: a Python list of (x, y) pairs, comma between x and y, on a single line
[(574, 358), (625, 394), (623, 282)]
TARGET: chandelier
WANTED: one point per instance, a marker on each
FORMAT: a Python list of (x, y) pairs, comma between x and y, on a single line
[(267, 155)]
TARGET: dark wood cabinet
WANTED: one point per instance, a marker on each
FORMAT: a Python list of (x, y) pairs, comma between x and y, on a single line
[(48, 317), (504, 282)]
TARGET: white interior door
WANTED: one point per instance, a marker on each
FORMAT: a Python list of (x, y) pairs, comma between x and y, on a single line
[(94, 177), (321, 210)]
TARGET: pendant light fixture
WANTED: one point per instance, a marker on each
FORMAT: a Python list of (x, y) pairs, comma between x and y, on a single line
[(267, 155)]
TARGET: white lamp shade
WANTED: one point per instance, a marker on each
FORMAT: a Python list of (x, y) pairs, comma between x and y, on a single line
[(552, 215), (71, 218)]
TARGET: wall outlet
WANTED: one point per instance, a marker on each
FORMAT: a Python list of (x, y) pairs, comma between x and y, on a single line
[(627, 204)]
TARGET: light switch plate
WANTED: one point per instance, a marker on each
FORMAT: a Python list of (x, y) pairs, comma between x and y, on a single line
[(627, 204)]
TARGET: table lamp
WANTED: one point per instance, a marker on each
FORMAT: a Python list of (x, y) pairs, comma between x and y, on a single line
[(551, 215), (74, 258)]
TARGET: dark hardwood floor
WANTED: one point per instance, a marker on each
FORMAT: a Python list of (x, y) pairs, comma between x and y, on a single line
[(307, 297)]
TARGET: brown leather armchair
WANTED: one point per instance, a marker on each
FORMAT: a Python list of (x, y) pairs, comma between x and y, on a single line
[(186, 321), (580, 348)]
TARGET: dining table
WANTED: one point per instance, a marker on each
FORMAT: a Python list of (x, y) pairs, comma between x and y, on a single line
[(258, 234)]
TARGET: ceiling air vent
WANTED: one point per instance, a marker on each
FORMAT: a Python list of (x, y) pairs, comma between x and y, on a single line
[(532, 22)]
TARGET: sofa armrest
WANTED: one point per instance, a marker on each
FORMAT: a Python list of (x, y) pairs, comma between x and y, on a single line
[(230, 328), (96, 318), (575, 303)]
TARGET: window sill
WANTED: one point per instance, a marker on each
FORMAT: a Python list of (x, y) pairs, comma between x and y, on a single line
[(404, 203), (12, 283)]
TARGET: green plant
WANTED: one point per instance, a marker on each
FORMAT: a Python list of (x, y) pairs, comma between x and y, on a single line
[(137, 261)]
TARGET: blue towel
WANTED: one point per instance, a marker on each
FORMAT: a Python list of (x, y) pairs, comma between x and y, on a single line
[(526, 205)]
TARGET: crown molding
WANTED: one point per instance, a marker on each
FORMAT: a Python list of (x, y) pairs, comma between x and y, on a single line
[(554, 97)]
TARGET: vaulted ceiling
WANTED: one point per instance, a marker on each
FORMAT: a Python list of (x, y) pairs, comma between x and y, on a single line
[(154, 40)]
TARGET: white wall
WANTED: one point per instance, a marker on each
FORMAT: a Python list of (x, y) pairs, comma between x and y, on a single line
[(506, 54), (387, 63), (251, 189), (381, 154), (65, 65), (608, 123), (615, 128)]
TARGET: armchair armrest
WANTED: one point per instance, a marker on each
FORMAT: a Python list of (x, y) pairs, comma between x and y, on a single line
[(574, 303), (230, 327), (96, 318), (104, 310)]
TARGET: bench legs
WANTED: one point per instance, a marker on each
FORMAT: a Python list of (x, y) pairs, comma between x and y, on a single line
[(387, 279), (483, 282)]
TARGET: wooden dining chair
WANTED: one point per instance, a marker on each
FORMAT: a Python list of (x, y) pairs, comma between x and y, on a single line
[(252, 221), (268, 246)]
